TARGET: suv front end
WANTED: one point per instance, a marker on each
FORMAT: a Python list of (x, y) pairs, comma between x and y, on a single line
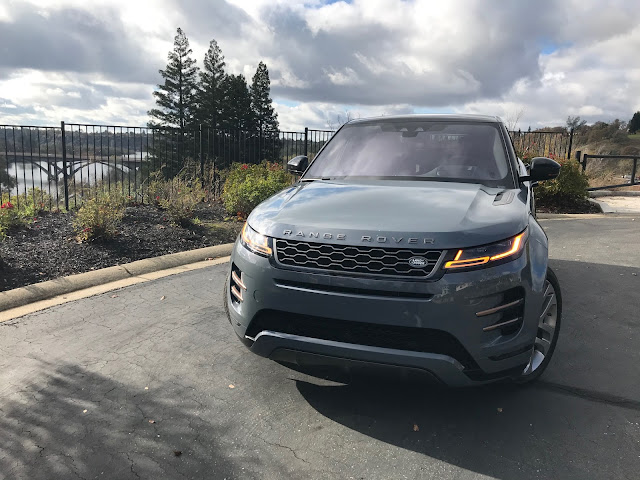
[(423, 264)]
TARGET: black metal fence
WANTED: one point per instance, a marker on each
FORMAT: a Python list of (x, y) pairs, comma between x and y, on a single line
[(62, 165), (58, 166), (542, 144), (610, 171)]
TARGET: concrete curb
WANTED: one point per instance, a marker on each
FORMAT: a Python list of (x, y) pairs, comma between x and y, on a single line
[(60, 286), (605, 207), (558, 216), (611, 193)]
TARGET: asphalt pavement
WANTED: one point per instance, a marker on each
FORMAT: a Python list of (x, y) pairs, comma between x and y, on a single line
[(150, 382)]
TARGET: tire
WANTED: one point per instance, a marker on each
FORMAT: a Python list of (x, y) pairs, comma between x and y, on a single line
[(546, 337)]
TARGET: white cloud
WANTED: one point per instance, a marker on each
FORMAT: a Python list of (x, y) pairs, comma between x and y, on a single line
[(345, 77), (367, 56)]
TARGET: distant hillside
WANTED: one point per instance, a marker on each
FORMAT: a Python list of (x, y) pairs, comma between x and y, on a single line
[(611, 171), (603, 138)]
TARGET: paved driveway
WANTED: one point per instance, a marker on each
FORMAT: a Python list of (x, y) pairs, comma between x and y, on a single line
[(131, 385)]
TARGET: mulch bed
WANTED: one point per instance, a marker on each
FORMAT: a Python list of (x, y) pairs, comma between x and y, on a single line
[(47, 248), (567, 206)]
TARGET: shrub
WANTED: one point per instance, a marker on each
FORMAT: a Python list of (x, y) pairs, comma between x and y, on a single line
[(570, 185), (9, 218), (177, 196), (248, 185), (158, 189), (20, 209), (180, 199), (99, 217)]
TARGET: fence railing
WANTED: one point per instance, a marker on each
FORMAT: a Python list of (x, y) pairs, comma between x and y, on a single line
[(610, 168), (542, 144), (65, 164)]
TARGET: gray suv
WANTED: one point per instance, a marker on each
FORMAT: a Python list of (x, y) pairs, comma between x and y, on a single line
[(409, 242)]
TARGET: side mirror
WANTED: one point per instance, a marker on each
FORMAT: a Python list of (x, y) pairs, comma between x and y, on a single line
[(297, 165), (541, 169)]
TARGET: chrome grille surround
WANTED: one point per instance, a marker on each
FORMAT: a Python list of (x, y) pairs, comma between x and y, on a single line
[(358, 260)]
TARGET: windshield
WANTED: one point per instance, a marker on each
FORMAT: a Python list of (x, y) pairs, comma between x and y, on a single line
[(420, 150)]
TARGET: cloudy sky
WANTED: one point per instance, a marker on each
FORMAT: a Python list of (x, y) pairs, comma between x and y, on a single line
[(97, 61)]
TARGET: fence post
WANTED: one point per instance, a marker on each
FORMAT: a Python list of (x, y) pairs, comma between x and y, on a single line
[(633, 170), (570, 144), (65, 174), (306, 136), (584, 162), (201, 158)]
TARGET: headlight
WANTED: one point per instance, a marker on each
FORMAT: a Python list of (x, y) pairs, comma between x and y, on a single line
[(506, 250), (255, 241)]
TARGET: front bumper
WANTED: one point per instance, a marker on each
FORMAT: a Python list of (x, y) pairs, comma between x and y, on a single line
[(432, 326)]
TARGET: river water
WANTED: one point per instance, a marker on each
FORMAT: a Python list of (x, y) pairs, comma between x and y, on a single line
[(29, 176)]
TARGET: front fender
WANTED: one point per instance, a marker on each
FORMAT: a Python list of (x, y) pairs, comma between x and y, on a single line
[(538, 254)]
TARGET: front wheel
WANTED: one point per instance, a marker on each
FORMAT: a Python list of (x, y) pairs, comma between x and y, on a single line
[(548, 330)]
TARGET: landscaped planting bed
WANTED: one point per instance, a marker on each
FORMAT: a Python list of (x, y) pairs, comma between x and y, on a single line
[(48, 246)]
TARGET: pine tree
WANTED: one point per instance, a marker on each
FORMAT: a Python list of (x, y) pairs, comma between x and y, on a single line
[(261, 103), (176, 97), (634, 123), (266, 119), (236, 107), (211, 93), (237, 119)]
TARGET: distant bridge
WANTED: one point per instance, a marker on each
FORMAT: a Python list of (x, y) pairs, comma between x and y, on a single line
[(52, 170)]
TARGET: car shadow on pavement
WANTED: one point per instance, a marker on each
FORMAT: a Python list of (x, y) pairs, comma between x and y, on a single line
[(70, 422), (574, 423)]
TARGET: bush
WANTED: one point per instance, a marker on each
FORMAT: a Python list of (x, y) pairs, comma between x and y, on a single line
[(21, 209), (177, 196), (99, 217), (570, 185), (180, 200), (9, 218), (248, 185)]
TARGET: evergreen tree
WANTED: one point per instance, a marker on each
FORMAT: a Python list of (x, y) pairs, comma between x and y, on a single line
[(211, 93), (634, 123), (236, 106), (575, 123), (261, 104), (266, 119), (176, 97)]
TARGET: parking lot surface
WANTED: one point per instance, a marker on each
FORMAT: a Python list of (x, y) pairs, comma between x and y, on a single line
[(150, 382)]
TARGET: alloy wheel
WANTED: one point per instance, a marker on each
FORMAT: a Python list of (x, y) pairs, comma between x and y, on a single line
[(546, 329)]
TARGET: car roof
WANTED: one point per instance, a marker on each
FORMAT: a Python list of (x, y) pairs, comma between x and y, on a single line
[(432, 117)]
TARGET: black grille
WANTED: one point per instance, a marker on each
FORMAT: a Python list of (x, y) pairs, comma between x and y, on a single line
[(361, 259), (415, 339)]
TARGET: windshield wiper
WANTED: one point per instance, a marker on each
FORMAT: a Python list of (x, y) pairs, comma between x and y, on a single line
[(313, 179)]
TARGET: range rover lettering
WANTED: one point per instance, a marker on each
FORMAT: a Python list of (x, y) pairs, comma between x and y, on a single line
[(409, 242)]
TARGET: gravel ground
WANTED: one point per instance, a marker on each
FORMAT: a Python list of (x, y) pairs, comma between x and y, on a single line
[(47, 248)]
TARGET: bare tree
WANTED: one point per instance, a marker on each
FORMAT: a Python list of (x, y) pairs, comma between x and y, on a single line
[(513, 118), (340, 120)]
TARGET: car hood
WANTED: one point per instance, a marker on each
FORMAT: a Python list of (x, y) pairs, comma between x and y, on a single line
[(420, 214)]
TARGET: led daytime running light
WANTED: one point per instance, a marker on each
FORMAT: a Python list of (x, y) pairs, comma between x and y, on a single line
[(250, 238), (515, 248), (472, 262)]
